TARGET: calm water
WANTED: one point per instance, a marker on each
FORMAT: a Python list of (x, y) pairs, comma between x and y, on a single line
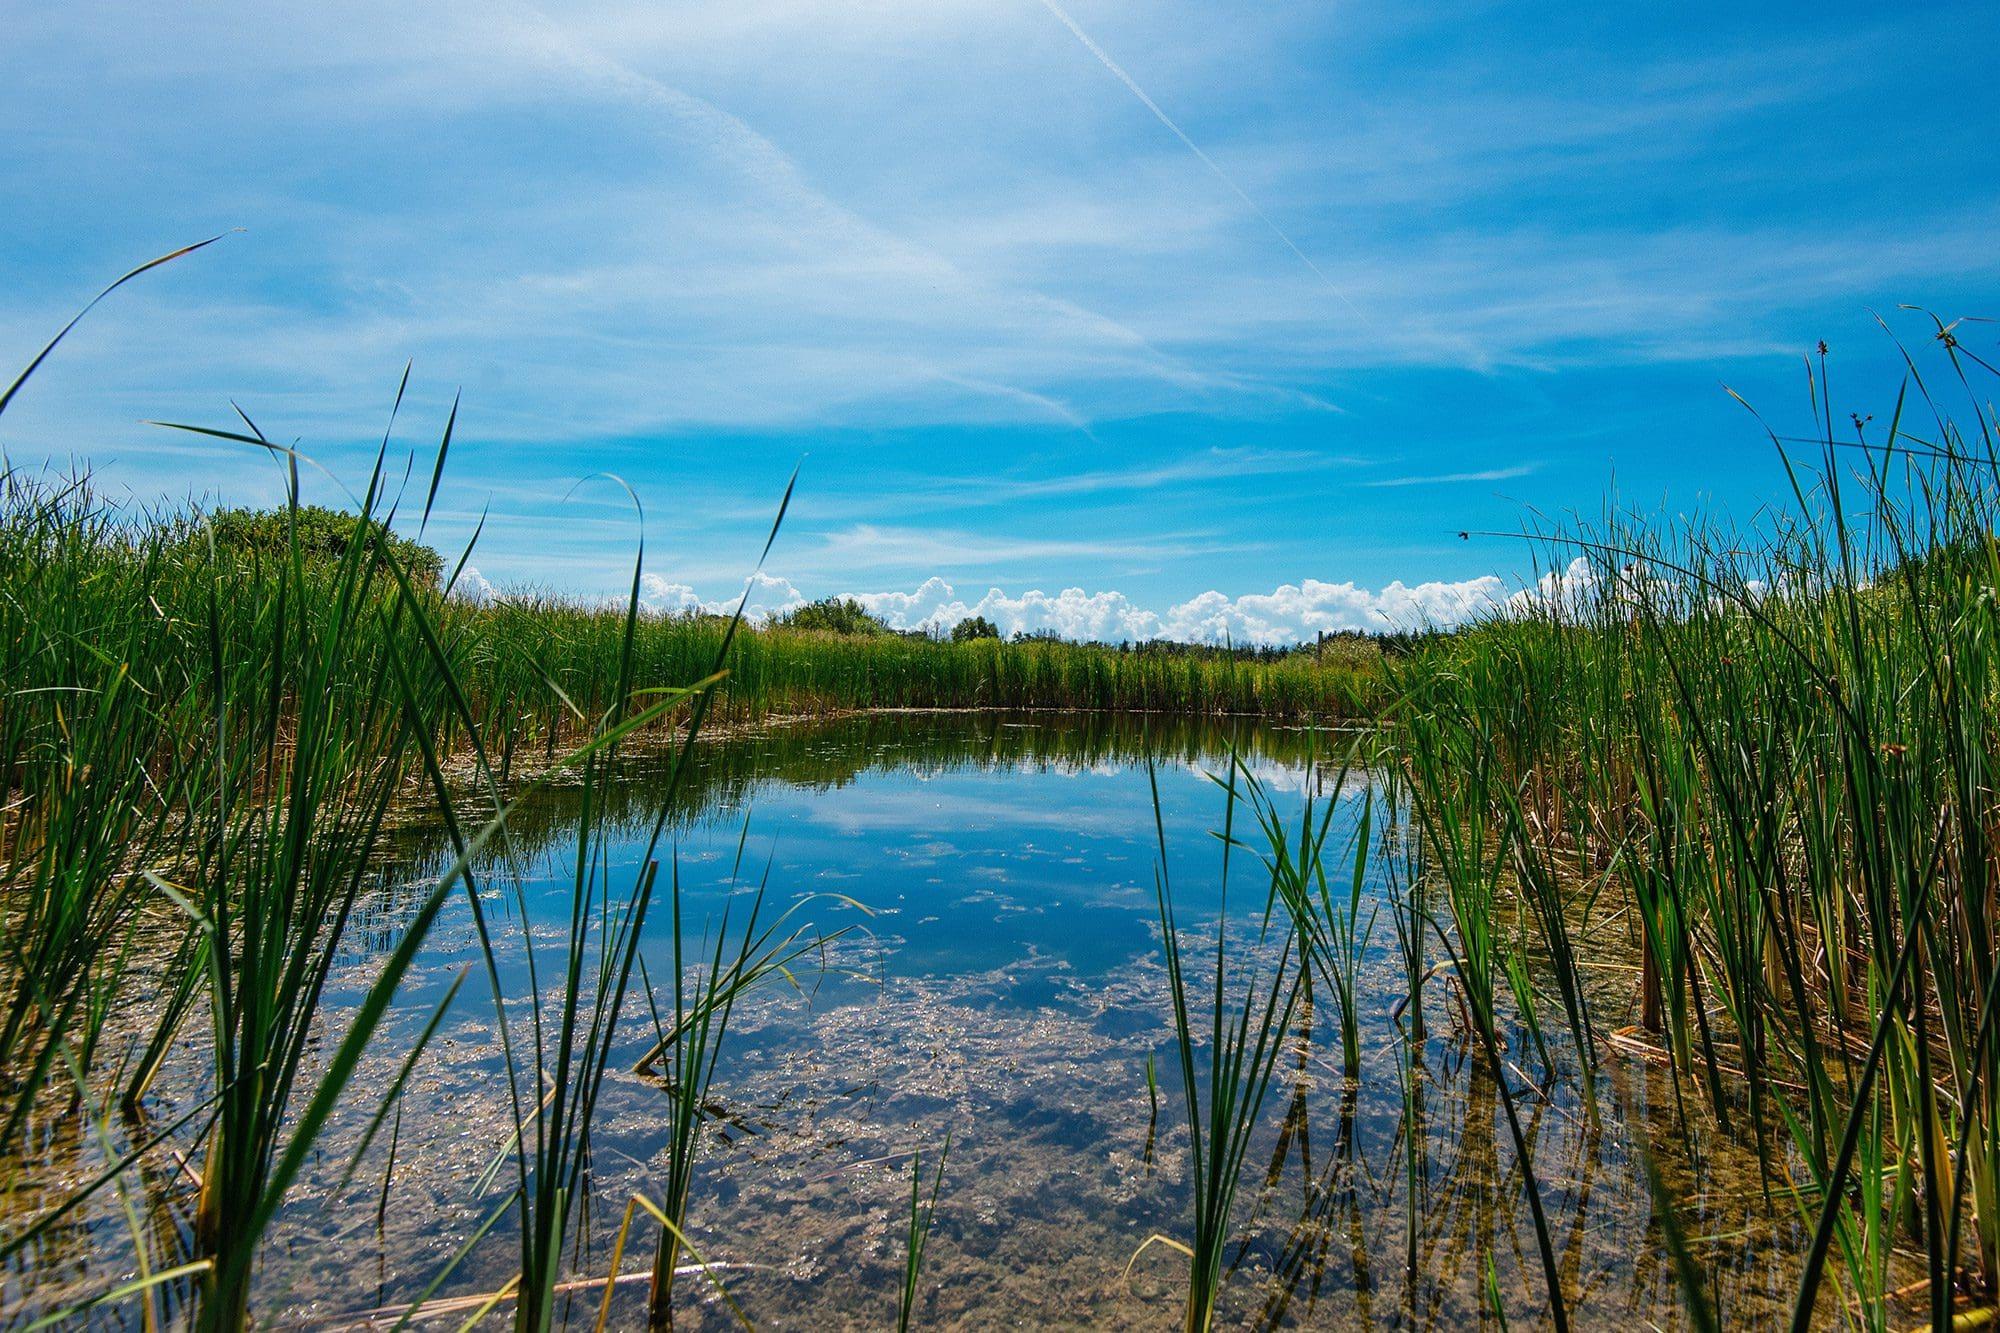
[(1005, 987)]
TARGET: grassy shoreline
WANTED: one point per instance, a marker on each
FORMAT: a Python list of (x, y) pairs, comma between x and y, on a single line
[(781, 670), (1774, 753)]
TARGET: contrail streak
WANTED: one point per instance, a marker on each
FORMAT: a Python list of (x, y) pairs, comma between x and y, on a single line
[(1195, 148)]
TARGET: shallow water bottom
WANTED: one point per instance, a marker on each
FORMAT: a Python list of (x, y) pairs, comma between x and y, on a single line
[(1002, 987)]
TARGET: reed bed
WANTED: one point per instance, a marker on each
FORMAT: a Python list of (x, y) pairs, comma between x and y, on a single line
[(1773, 750), (527, 644), (193, 797), (1228, 1052)]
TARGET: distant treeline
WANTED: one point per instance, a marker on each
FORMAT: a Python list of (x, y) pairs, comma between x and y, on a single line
[(845, 615)]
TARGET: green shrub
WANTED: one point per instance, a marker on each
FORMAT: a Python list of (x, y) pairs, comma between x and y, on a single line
[(323, 536), (834, 615), (974, 627)]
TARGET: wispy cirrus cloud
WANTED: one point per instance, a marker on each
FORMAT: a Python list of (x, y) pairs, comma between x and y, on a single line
[(1185, 473), (1508, 473), (1214, 167), (882, 546), (1215, 464), (706, 246)]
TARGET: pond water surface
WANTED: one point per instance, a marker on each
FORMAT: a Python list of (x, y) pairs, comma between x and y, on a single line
[(1004, 986)]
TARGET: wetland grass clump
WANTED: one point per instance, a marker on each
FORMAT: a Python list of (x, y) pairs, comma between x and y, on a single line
[(1331, 933), (923, 1214), (311, 742), (88, 699), (684, 1057), (205, 729), (280, 714), (196, 779), (1777, 749), (202, 791), (1470, 850), (555, 1076), (1243, 1036)]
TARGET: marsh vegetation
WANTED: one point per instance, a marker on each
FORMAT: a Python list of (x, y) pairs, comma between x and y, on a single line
[(374, 957)]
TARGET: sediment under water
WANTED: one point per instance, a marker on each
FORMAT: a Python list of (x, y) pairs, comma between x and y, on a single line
[(1004, 985)]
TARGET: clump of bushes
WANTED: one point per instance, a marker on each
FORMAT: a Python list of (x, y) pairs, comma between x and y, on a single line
[(974, 627), (834, 615), (324, 536)]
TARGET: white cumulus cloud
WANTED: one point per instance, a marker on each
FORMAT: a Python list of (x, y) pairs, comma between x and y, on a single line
[(1289, 614), (1072, 613), (763, 596), (474, 587)]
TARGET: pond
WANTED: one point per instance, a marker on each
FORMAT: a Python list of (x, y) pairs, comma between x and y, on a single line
[(996, 976)]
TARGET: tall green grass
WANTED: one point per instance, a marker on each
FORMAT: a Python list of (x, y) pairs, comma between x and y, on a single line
[(1331, 933), (215, 774), (923, 1215), (529, 643), (1243, 1036), (201, 744), (703, 995), (1776, 747), (81, 725), (201, 794), (307, 746)]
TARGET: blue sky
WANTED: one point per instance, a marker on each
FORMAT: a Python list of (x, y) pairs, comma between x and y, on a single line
[(1224, 318)]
